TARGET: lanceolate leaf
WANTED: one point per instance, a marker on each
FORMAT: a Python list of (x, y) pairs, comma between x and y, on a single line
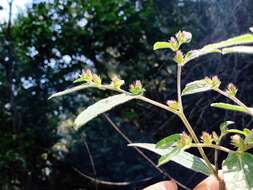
[(162, 45), (238, 40), (71, 90), (167, 157), (183, 158), (195, 87), (238, 171), (167, 141), (101, 107), (220, 47), (229, 107), (238, 49)]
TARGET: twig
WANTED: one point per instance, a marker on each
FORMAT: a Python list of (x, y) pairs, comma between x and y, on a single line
[(143, 154)]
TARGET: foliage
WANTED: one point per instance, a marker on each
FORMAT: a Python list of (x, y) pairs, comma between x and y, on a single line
[(173, 146)]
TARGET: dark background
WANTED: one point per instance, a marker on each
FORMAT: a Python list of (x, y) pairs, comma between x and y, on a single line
[(45, 48)]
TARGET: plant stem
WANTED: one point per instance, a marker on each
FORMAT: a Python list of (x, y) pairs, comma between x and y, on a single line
[(236, 100), (188, 125), (214, 146)]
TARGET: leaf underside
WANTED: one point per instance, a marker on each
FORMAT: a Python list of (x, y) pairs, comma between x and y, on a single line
[(238, 171), (183, 158), (230, 107), (196, 87)]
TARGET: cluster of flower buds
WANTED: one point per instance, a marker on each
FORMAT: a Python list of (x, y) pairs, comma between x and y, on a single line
[(185, 140), (174, 44), (88, 76), (237, 141), (231, 89), (173, 104), (179, 58), (136, 88), (117, 82), (214, 82), (207, 138), (96, 79), (183, 37)]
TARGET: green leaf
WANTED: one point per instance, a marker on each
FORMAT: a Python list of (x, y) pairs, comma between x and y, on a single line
[(224, 125), (235, 131), (101, 107), (238, 49), (162, 45), (168, 141), (71, 90), (183, 158), (196, 87), (242, 39), (229, 107), (238, 171), (167, 157)]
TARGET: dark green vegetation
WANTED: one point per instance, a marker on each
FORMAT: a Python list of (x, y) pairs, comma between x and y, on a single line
[(43, 51)]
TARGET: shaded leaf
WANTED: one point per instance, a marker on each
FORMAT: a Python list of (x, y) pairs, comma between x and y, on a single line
[(229, 107), (71, 90), (101, 107), (183, 158), (167, 141), (167, 157), (196, 87), (238, 171)]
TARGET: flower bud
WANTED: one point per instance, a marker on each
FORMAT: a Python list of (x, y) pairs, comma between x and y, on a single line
[(184, 140), (173, 104), (174, 44), (237, 141), (96, 79), (184, 37), (136, 88), (214, 82), (117, 82), (86, 75), (231, 89), (206, 138), (179, 58)]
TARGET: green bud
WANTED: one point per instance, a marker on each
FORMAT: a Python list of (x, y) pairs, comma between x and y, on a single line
[(179, 58), (214, 82), (237, 141), (117, 82), (184, 37), (231, 89), (174, 44), (96, 79), (184, 140), (173, 104), (136, 88), (206, 138), (86, 76)]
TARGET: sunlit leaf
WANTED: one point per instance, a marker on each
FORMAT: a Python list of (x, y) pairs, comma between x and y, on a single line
[(71, 90), (238, 40), (162, 45), (167, 157), (167, 141), (238, 171), (183, 158), (196, 87), (101, 107), (238, 49)]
